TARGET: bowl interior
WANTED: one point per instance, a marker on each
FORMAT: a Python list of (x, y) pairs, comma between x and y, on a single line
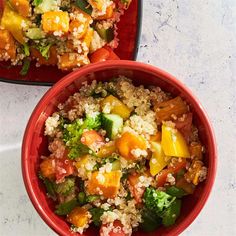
[(35, 143)]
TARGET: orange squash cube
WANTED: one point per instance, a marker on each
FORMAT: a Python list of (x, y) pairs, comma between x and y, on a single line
[(105, 184), (69, 61), (7, 45), (55, 21), (108, 14), (196, 150), (173, 107), (128, 142), (47, 168), (78, 217), (21, 6)]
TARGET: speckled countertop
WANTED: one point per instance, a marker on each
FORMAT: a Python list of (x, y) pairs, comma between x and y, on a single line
[(193, 40)]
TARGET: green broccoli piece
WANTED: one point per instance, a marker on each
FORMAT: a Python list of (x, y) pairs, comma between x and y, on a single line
[(72, 134), (66, 187), (161, 205), (157, 201), (96, 215)]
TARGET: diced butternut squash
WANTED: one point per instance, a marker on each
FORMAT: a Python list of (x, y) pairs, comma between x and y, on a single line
[(105, 184), (52, 60), (7, 45), (194, 171), (79, 217), (78, 29), (68, 61), (108, 14), (174, 107), (129, 142), (106, 150), (173, 142), (116, 106), (47, 168), (55, 21), (196, 150), (98, 4), (158, 160), (14, 23), (21, 6)]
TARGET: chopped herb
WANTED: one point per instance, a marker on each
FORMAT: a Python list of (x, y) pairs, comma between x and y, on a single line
[(37, 2), (66, 207), (44, 50), (26, 49), (84, 6), (25, 67), (82, 198)]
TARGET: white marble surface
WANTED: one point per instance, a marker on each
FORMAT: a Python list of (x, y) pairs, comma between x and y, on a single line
[(193, 39)]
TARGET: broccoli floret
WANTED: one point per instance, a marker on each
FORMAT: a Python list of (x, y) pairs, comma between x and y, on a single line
[(161, 205), (66, 187), (156, 200), (96, 215), (72, 134)]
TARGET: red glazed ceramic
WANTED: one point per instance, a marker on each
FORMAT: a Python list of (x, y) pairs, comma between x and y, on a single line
[(35, 143), (128, 33)]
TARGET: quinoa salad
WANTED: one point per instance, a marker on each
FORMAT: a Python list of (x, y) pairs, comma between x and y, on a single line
[(63, 33), (121, 158)]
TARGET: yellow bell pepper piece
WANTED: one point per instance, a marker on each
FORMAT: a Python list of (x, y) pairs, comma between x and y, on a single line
[(106, 150), (14, 23), (173, 143), (116, 106), (158, 160)]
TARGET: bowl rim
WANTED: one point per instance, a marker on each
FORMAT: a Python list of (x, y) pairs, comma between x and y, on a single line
[(68, 79)]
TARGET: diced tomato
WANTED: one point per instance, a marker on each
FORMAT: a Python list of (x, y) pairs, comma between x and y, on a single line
[(112, 55), (64, 167), (137, 193), (92, 139), (117, 229), (161, 177), (184, 126), (103, 54)]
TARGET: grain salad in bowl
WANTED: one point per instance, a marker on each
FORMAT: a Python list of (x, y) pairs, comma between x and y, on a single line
[(62, 33), (122, 157)]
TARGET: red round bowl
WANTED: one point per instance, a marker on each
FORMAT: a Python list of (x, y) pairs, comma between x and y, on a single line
[(35, 143)]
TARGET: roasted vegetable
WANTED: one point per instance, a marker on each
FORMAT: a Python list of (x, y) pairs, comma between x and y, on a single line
[(158, 160), (129, 142), (78, 217), (105, 184), (7, 45), (173, 142), (171, 108), (47, 168), (14, 23), (115, 106), (21, 6), (171, 213), (55, 21)]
